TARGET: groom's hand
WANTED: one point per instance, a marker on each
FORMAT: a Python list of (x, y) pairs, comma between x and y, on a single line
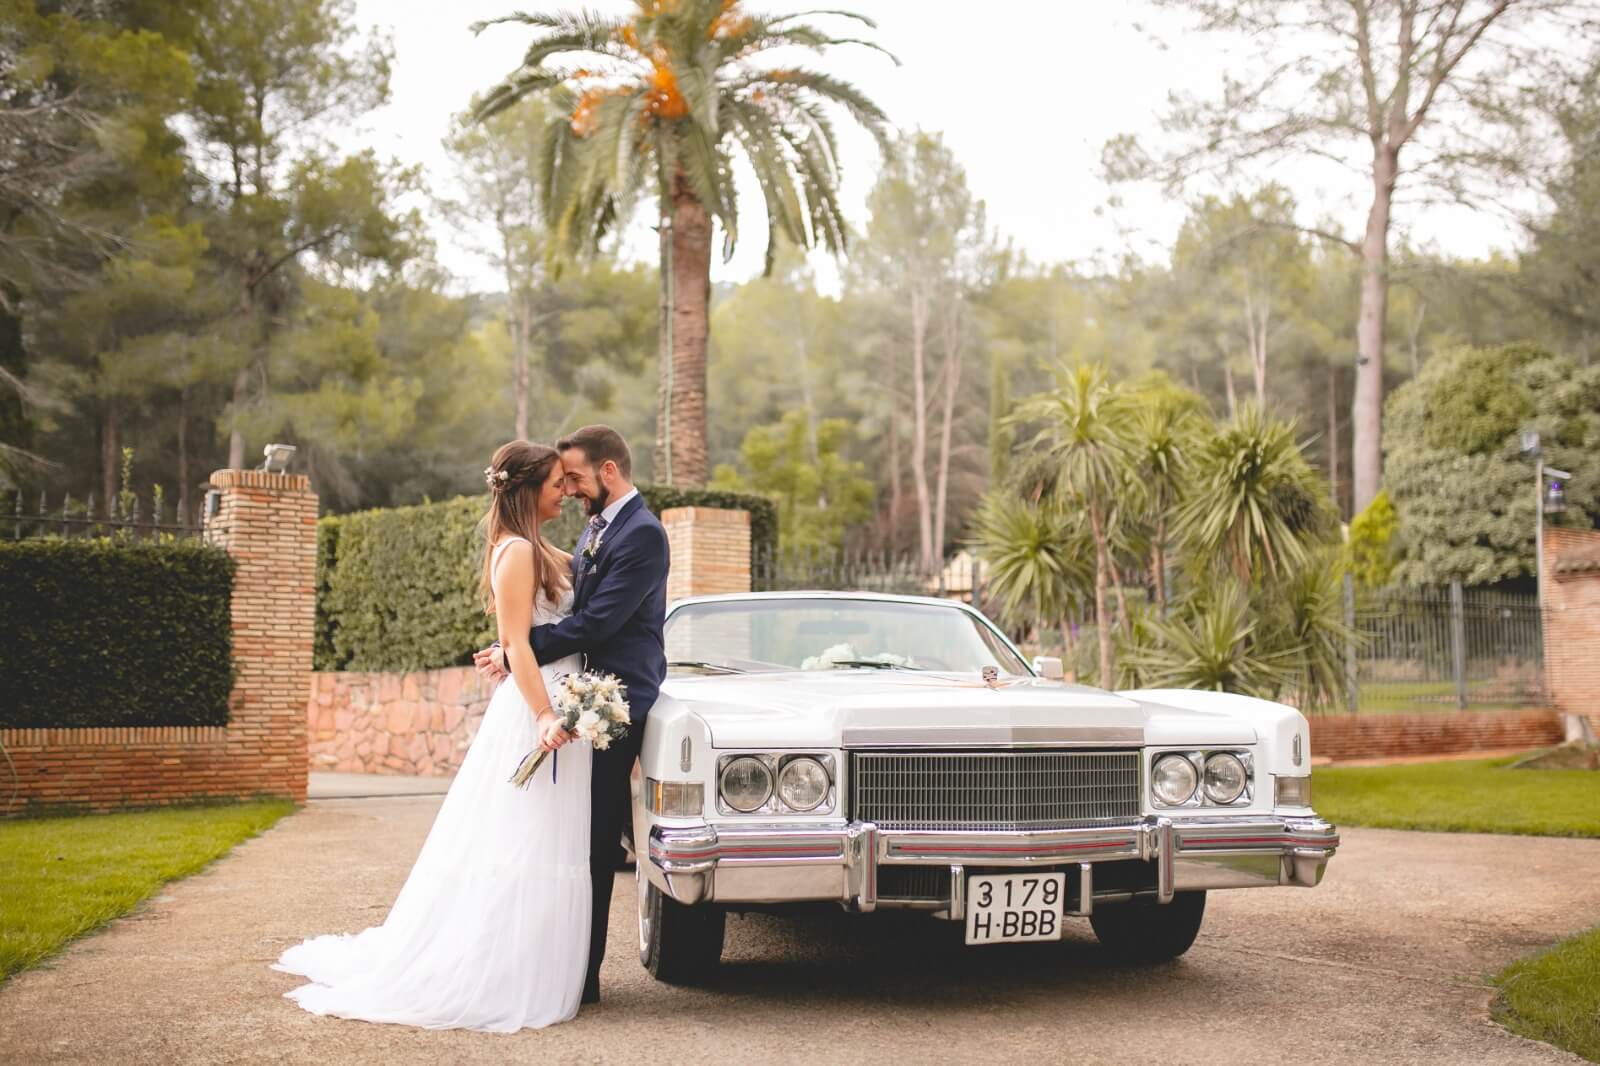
[(490, 662)]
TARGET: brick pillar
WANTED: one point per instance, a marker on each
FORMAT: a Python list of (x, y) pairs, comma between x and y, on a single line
[(268, 523), (710, 551), (1572, 620)]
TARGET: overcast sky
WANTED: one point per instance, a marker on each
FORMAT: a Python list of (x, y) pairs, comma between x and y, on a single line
[(1025, 97)]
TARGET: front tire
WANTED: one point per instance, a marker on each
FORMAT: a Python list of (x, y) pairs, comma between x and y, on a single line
[(679, 945), (1146, 931)]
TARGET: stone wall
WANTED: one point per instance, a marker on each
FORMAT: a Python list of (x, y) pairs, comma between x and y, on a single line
[(268, 523), (1398, 736), (416, 723)]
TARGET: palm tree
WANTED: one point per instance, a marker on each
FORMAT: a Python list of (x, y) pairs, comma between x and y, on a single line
[(1255, 504), (1080, 454), (1166, 432), (659, 101), (1035, 562), (1213, 642)]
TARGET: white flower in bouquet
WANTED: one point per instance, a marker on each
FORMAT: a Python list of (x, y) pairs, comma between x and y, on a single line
[(589, 706)]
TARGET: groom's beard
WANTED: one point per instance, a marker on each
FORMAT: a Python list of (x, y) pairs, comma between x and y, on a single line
[(597, 502)]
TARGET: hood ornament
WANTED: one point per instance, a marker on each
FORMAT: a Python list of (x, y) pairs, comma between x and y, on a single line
[(991, 676)]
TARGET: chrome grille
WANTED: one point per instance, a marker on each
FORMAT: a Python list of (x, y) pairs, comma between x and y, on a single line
[(993, 789)]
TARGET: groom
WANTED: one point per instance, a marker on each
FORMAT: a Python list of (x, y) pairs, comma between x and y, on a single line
[(619, 582)]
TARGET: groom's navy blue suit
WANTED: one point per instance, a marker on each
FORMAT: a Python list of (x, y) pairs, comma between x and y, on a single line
[(619, 608)]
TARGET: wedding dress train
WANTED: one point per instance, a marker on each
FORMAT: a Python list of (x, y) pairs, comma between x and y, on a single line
[(491, 930)]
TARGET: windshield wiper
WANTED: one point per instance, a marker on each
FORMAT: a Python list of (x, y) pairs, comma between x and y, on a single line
[(695, 664), (874, 664)]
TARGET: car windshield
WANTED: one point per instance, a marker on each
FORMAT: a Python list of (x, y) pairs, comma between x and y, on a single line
[(814, 633)]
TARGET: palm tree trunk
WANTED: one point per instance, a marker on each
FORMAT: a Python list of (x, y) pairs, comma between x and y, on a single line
[(681, 395), (1101, 560)]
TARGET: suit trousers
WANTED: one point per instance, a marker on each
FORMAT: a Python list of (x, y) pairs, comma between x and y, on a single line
[(610, 814)]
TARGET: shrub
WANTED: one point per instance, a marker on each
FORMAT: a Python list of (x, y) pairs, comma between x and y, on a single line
[(402, 593), (323, 655), (397, 589), (106, 633)]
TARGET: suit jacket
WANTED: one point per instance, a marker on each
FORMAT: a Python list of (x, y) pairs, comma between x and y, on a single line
[(619, 608)]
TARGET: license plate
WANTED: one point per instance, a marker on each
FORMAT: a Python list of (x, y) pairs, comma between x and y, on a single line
[(1007, 908)]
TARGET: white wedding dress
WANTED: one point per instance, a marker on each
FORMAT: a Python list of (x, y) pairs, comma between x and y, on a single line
[(491, 930)]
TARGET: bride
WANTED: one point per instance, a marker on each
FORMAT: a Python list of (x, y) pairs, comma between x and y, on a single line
[(491, 930)]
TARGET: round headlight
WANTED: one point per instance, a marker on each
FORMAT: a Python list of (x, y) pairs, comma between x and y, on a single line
[(802, 784), (746, 784), (1225, 778), (1173, 780)]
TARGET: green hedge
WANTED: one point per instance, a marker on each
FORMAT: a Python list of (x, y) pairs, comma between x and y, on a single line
[(397, 589), (105, 633)]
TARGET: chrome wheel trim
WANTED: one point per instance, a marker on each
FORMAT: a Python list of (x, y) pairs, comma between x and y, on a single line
[(643, 888)]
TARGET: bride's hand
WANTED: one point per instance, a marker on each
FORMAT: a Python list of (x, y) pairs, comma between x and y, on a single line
[(551, 732), (490, 662)]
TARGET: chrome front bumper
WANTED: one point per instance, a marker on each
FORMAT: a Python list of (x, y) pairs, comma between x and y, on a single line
[(840, 861)]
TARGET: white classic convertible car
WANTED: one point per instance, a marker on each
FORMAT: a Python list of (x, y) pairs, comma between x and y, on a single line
[(883, 751)]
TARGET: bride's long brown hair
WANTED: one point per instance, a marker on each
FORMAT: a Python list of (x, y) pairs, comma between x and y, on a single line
[(516, 475)]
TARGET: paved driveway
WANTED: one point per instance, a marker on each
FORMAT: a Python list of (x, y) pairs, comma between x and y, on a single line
[(1382, 964)]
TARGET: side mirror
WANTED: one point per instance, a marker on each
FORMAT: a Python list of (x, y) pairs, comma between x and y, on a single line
[(1048, 667)]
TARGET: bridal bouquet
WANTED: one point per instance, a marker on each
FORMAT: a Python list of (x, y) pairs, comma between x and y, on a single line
[(592, 707)]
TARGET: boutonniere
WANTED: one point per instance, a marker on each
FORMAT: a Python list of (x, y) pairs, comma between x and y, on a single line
[(592, 548)]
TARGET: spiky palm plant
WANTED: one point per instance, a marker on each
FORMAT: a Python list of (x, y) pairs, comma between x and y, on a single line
[(1256, 505), (1080, 454), (1035, 562), (1212, 642), (1167, 431), (656, 104), (1306, 612)]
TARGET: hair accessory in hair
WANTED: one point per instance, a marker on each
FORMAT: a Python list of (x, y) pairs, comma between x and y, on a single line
[(495, 479)]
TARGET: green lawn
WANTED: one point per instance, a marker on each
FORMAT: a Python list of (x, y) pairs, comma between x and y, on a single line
[(1555, 996), (1481, 796), (1433, 697), (63, 877)]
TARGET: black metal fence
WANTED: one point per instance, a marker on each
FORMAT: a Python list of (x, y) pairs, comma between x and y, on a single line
[(1444, 648), (124, 515)]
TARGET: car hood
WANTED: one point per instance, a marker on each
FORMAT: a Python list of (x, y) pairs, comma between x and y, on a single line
[(873, 708)]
